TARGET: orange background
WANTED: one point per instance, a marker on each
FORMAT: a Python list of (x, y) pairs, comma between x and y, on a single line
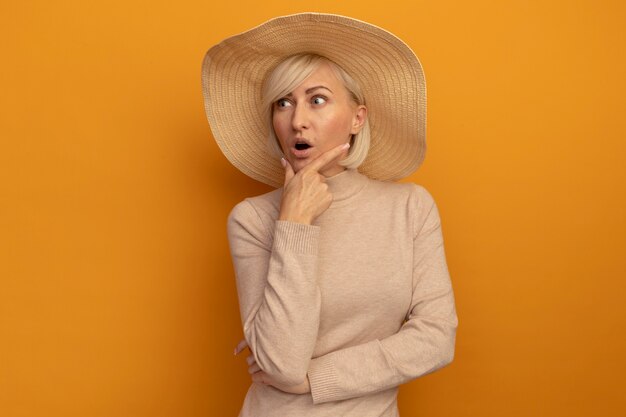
[(117, 295)]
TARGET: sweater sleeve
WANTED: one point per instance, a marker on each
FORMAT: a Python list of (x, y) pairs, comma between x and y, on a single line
[(425, 341), (279, 298)]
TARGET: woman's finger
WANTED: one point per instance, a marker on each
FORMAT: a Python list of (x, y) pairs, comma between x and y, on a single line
[(241, 346), (288, 170), (254, 368), (259, 377), (326, 158), (250, 359), (252, 365)]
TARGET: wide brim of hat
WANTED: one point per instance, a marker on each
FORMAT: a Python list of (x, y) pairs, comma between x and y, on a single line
[(387, 70)]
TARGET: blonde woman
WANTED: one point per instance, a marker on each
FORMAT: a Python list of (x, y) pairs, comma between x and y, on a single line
[(341, 273)]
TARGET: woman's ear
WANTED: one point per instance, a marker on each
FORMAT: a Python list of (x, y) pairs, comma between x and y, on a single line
[(359, 119)]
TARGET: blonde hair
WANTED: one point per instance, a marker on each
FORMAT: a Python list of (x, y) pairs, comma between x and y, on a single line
[(288, 75)]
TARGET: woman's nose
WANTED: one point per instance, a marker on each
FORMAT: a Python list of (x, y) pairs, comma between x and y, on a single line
[(300, 117)]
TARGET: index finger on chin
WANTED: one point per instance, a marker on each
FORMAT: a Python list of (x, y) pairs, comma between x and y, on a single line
[(327, 157)]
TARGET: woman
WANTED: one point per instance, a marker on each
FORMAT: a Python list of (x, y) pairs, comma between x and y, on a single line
[(341, 274)]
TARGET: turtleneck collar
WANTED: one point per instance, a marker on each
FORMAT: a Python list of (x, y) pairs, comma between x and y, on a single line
[(346, 184)]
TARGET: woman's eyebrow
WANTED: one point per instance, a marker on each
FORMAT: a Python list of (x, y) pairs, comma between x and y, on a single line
[(310, 90)]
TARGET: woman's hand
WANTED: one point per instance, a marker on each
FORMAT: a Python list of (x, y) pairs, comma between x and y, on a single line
[(259, 376), (305, 194)]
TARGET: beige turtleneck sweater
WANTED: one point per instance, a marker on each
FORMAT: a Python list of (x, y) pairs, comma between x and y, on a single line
[(360, 301)]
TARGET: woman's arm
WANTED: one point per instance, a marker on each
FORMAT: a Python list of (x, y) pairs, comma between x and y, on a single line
[(425, 342), (278, 293), (277, 282)]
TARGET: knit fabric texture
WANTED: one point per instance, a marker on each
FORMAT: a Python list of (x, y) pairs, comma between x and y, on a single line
[(359, 302)]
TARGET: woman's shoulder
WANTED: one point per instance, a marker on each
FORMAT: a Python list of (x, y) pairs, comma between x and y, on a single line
[(406, 191), (413, 199), (261, 209)]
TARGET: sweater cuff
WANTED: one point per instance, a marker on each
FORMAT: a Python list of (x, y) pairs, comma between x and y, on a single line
[(323, 379), (296, 237)]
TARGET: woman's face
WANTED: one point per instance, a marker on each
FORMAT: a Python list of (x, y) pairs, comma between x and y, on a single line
[(315, 117)]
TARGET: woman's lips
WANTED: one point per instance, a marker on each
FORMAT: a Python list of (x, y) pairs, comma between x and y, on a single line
[(301, 148), (301, 153)]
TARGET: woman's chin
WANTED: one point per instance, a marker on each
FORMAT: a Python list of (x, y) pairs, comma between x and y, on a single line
[(300, 163), (328, 171)]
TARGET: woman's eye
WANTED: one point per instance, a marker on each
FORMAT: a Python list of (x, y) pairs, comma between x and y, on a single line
[(283, 102), (319, 100)]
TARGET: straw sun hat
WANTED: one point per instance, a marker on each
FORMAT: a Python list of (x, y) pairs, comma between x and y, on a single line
[(389, 73)]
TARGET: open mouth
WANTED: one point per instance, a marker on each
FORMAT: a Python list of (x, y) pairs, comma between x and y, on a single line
[(302, 146)]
